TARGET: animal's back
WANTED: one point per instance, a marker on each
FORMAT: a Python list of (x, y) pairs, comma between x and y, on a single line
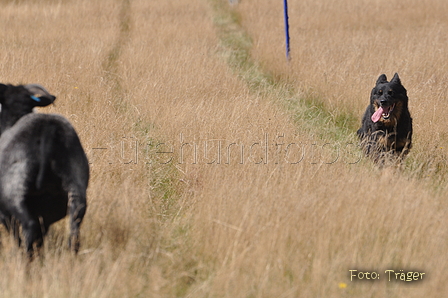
[(41, 158)]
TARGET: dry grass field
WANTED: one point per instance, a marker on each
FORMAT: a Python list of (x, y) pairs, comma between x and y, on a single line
[(204, 184), (339, 49)]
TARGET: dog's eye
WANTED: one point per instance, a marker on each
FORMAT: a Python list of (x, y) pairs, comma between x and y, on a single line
[(380, 92), (390, 92)]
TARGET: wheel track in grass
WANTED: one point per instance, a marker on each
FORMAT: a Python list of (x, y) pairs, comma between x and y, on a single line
[(164, 184), (111, 64)]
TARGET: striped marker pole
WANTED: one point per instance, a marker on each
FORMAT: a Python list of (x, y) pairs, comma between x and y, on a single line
[(285, 9)]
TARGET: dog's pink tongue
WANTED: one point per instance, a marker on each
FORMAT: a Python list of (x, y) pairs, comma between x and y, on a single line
[(377, 115)]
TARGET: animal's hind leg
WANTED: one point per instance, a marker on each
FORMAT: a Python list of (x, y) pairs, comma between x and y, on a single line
[(15, 228), (77, 208), (32, 232)]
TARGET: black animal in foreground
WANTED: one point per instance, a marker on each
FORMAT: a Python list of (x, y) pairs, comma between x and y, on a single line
[(386, 129), (44, 171)]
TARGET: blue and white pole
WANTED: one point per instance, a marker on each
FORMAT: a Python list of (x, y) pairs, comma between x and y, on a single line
[(285, 9)]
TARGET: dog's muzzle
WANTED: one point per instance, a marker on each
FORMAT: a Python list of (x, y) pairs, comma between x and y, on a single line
[(383, 111)]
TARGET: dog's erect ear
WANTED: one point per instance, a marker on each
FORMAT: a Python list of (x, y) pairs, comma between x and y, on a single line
[(40, 95), (382, 79), (396, 79)]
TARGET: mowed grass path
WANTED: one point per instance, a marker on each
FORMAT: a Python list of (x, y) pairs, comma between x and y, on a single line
[(204, 182)]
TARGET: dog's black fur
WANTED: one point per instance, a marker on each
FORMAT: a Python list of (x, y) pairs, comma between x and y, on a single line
[(391, 133)]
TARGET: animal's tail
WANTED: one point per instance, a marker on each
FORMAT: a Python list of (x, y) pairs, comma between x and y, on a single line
[(45, 152)]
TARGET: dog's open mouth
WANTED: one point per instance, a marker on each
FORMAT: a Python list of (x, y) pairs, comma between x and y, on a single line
[(384, 112)]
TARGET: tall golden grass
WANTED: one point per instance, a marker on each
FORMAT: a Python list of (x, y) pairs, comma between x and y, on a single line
[(201, 187)]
